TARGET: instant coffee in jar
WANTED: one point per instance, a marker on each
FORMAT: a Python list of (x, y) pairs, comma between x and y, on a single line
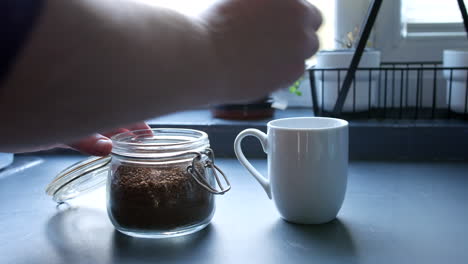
[(160, 182)]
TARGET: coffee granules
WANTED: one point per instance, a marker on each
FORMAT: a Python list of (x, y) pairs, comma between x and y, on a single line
[(158, 198)]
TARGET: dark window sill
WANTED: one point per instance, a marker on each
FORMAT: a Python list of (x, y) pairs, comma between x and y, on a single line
[(369, 139)]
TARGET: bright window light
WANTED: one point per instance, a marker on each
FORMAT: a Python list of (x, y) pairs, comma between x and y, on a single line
[(431, 11)]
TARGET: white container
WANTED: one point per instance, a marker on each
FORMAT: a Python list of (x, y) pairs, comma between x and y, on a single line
[(328, 80), (458, 88)]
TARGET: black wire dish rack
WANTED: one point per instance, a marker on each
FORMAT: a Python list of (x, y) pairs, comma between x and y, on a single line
[(395, 90)]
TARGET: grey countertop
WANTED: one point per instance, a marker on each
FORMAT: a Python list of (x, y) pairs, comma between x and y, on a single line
[(394, 212)]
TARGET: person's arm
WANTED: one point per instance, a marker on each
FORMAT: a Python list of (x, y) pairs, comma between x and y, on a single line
[(17, 19), (93, 65)]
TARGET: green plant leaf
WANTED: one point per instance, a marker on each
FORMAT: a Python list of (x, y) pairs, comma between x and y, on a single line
[(294, 88)]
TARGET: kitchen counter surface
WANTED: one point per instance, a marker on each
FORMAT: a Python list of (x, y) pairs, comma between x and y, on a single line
[(394, 212)]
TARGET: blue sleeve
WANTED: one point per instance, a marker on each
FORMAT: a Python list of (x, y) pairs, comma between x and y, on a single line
[(17, 18)]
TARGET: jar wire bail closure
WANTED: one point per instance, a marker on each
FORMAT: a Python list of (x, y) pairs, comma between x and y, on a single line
[(200, 179)]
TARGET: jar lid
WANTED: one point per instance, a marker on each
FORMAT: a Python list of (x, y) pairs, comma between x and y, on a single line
[(81, 177)]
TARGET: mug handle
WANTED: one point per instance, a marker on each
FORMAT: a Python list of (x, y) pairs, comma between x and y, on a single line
[(262, 137)]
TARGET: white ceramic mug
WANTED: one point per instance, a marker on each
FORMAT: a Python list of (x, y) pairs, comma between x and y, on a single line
[(307, 166)]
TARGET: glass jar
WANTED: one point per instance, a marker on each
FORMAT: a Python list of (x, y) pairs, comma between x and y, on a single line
[(160, 182)]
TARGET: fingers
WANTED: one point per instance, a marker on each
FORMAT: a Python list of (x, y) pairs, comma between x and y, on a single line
[(100, 144), (313, 44), (139, 126), (144, 129), (314, 17), (313, 21), (96, 145), (111, 133)]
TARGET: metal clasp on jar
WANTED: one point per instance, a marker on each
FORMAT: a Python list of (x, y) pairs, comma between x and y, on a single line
[(209, 163)]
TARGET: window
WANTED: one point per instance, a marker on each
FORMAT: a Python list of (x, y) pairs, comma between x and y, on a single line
[(430, 11), (418, 30), (431, 18), (187, 7), (327, 31)]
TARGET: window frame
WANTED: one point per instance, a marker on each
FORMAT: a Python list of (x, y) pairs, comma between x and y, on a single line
[(412, 46)]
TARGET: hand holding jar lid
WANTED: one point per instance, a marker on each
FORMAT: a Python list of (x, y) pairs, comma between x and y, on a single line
[(160, 182)]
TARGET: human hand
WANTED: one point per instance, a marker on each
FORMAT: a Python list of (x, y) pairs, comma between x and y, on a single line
[(95, 145), (262, 44), (100, 144)]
